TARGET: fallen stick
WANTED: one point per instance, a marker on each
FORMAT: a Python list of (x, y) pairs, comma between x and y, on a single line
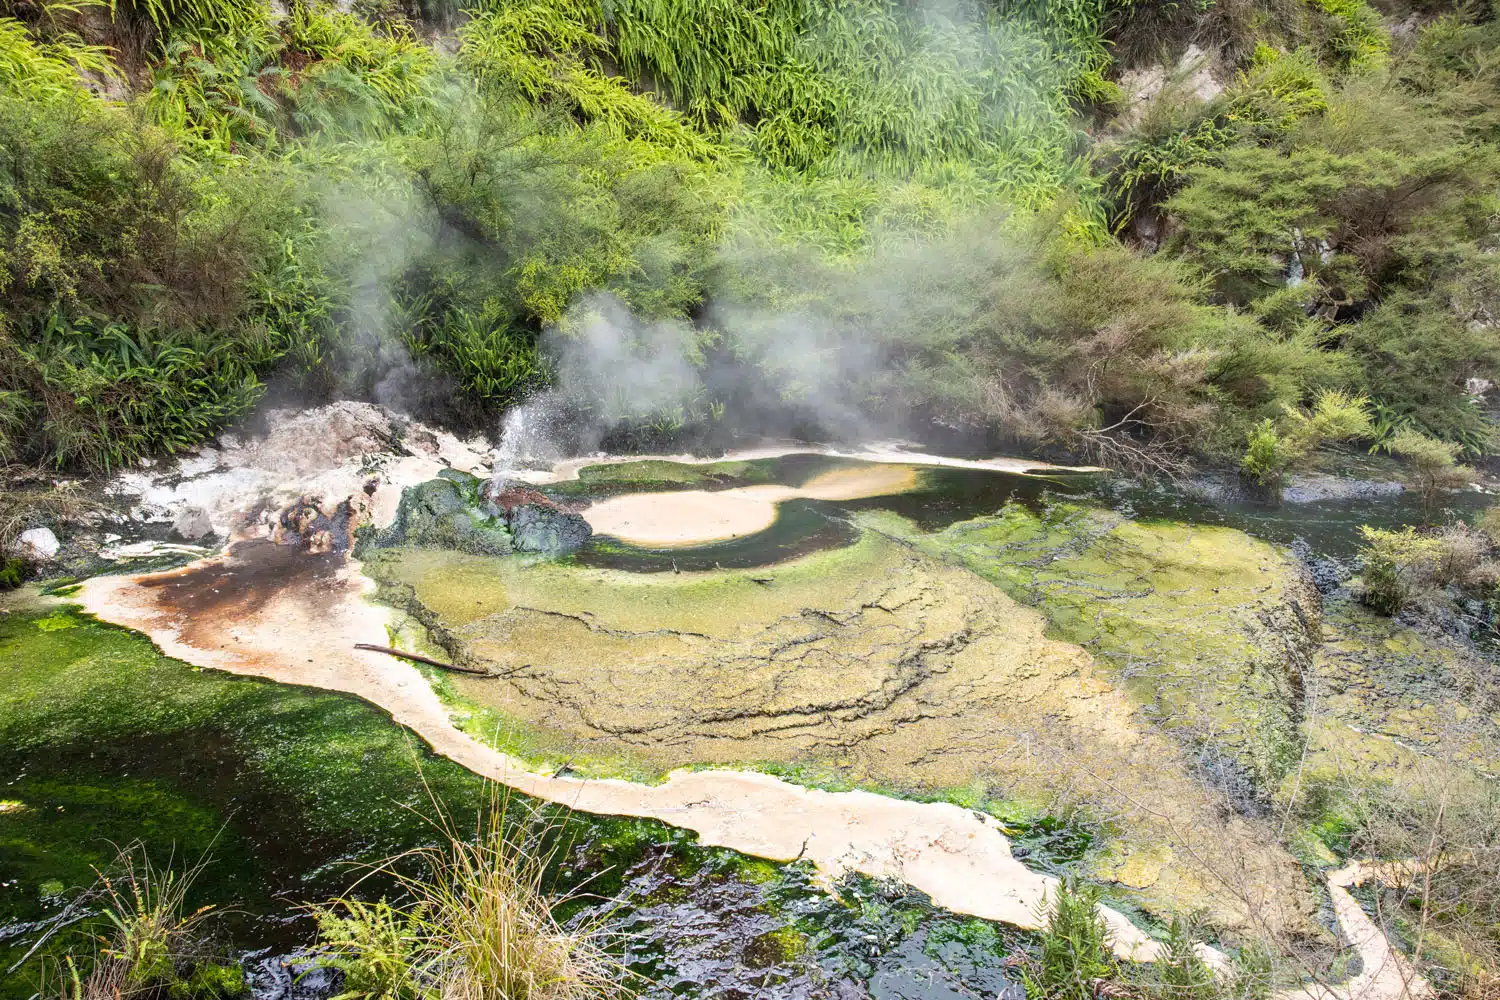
[(421, 659)]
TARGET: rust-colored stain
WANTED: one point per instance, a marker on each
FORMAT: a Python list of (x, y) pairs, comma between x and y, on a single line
[(236, 589)]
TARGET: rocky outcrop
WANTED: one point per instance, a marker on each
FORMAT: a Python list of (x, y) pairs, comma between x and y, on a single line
[(495, 517), (192, 523), (537, 522), (443, 513)]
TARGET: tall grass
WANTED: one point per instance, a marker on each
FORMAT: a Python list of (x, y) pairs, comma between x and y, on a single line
[(479, 924), (152, 944)]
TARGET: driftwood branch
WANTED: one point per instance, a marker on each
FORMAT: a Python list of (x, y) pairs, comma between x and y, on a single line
[(421, 659)]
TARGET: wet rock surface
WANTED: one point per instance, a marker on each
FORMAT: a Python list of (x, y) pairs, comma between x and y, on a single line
[(37, 545), (1319, 488), (438, 514), (537, 522)]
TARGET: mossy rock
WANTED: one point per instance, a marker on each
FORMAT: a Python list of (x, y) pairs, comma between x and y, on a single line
[(438, 514), (664, 471)]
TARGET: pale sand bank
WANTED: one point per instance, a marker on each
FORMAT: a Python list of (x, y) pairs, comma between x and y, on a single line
[(695, 517)]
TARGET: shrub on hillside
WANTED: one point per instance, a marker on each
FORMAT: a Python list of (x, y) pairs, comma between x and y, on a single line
[(1434, 465)]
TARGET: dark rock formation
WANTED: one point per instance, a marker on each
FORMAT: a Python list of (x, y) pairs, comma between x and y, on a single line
[(537, 522), (438, 514)]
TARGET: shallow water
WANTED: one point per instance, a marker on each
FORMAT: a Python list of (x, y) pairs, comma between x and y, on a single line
[(1328, 528), (105, 742)]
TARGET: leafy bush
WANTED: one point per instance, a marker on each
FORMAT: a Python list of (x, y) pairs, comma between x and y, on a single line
[(1393, 565), (1274, 449), (1404, 568), (1434, 464)]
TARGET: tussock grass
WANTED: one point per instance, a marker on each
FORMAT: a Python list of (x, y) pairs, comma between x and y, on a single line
[(479, 923), (153, 945)]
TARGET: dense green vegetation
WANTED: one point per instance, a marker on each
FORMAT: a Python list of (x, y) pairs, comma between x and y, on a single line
[(200, 195)]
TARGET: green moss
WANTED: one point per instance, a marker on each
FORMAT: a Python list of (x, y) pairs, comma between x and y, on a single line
[(210, 981), (662, 471)]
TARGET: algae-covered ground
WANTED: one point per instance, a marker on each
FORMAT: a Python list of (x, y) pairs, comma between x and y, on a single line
[(1206, 628), (892, 664), (105, 742)]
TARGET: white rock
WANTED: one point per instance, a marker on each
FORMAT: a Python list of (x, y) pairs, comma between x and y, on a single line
[(37, 545), (192, 523)]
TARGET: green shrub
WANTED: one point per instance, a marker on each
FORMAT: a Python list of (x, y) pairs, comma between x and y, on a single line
[(1434, 464), (1075, 953), (1275, 448), (1394, 565), (109, 395), (1405, 568), (1268, 456), (479, 923), (1358, 39)]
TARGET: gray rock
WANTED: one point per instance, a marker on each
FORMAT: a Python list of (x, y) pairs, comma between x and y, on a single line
[(547, 528), (191, 524), (37, 545)]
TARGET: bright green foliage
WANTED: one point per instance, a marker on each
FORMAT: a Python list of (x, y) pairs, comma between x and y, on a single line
[(1268, 455), (1434, 464), (373, 945), (45, 70), (548, 52), (829, 100), (299, 194), (1275, 447), (1393, 564), (1075, 946), (1359, 39)]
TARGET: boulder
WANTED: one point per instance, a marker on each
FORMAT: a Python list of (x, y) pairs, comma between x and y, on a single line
[(547, 528), (191, 524), (438, 514), (37, 545), (537, 522)]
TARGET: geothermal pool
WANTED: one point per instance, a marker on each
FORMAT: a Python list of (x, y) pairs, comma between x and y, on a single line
[(955, 678)]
